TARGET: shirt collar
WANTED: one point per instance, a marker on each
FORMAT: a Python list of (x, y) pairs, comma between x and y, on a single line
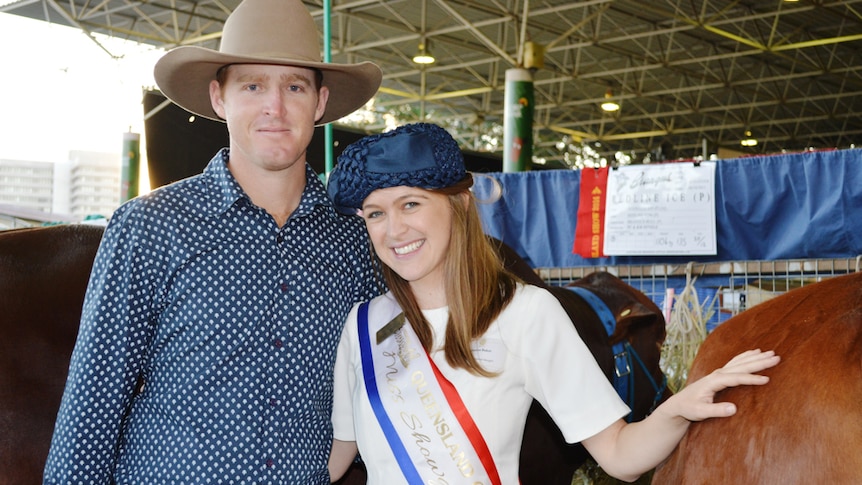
[(314, 194), (228, 191)]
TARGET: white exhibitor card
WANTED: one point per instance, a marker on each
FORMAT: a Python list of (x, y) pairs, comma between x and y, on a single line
[(661, 209)]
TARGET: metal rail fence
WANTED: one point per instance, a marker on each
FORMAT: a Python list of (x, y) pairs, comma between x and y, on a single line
[(727, 287)]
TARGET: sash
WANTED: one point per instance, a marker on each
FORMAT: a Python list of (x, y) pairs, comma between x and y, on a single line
[(431, 433)]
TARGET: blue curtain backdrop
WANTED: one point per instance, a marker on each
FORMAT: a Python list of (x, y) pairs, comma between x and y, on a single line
[(796, 206)]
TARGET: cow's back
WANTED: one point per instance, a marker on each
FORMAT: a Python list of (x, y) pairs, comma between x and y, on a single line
[(805, 426), (43, 277)]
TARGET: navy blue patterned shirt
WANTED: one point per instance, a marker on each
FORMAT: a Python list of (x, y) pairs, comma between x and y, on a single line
[(208, 338)]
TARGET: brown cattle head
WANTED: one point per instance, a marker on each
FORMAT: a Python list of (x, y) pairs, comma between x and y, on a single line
[(640, 323)]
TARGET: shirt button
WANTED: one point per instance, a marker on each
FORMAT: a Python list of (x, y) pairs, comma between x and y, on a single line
[(273, 401), (283, 287), (278, 343), (279, 239), (270, 462)]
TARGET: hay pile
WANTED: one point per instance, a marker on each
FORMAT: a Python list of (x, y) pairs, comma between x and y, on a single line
[(686, 330)]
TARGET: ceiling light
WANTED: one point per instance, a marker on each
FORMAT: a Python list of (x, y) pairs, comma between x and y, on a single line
[(423, 56), (610, 105), (748, 141)]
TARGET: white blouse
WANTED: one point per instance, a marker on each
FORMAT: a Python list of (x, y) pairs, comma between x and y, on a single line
[(538, 353)]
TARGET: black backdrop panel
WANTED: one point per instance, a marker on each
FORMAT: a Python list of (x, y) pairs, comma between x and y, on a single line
[(178, 148)]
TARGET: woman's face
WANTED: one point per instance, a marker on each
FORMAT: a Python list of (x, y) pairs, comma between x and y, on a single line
[(410, 230)]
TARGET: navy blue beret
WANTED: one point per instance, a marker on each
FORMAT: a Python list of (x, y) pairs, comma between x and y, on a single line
[(420, 155)]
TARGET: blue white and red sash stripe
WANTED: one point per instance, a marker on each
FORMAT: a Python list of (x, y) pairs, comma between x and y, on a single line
[(431, 433)]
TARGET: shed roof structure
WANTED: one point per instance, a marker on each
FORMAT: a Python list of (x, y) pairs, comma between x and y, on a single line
[(685, 72)]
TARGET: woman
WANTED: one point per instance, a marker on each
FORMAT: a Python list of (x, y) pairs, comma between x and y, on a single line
[(433, 380)]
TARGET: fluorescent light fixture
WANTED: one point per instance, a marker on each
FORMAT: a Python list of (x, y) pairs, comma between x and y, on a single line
[(423, 56), (610, 105), (748, 141)]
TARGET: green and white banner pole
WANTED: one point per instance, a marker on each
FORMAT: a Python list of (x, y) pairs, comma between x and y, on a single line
[(131, 166), (518, 121)]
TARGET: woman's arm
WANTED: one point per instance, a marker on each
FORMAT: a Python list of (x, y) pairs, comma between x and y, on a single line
[(626, 451), (342, 455)]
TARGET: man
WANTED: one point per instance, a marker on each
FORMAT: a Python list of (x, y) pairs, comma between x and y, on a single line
[(210, 325)]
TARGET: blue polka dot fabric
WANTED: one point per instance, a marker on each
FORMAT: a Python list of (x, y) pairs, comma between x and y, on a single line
[(208, 338)]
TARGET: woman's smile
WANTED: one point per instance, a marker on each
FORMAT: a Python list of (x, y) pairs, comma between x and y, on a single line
[(409, 248)]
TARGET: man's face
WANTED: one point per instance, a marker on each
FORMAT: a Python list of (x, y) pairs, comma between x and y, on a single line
[(270, 112)]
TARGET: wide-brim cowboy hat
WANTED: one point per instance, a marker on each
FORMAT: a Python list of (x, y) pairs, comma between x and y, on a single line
[(278, 32)]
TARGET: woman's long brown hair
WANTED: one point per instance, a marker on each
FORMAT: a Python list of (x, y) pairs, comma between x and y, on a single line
[(477, 285)]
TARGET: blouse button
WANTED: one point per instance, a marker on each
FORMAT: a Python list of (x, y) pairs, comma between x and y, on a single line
[(278, 343), (270, 462)]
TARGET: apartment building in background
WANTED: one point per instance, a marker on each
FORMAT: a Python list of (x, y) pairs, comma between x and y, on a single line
[(85, 185), (27, 184), (94, 183)]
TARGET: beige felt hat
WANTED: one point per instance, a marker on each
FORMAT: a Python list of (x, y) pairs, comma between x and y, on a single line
[(279, 32)]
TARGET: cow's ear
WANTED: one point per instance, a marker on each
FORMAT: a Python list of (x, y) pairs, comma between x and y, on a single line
[(632, 316)]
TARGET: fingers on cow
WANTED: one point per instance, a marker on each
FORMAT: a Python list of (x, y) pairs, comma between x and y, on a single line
[(743, 368), (698, 398)]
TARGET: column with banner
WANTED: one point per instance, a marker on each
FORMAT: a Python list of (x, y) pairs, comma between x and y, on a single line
[(518, 121), (131, 166)]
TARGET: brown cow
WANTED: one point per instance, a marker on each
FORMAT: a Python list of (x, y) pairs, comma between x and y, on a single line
[(43, 276), (805, 426)]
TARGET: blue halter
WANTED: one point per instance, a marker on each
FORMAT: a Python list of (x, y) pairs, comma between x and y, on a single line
[(623, 377)]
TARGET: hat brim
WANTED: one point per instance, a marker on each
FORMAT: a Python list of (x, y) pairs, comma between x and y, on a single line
[(184, 74)]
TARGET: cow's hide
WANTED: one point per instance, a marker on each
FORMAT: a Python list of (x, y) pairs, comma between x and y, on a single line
[(805, 425), (43, 275)]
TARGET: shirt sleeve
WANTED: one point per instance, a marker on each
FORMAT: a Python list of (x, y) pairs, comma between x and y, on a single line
[(106, 361), (560, 371), (344, 382), (366, 275)]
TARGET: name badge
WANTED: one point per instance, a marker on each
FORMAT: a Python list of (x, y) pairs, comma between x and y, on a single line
[(390, 328), (490, 353)]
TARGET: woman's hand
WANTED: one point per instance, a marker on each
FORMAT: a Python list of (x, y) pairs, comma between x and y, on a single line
[(342, 455), (696, 402), (626, 451)]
